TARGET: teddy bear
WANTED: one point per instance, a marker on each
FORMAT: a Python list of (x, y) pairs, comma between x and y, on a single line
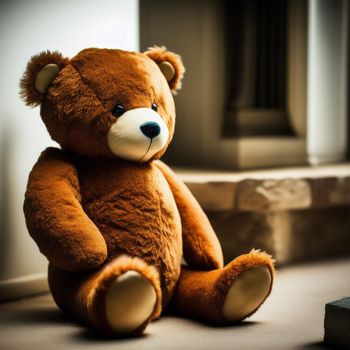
[(124, 237)]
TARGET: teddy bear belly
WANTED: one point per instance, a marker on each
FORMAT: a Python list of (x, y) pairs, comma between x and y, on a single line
[(144, 224)]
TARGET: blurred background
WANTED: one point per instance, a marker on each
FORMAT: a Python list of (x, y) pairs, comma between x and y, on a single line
[(262, 119)]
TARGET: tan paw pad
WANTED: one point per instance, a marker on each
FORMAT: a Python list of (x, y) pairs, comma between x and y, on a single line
[(247, 293), (130, 301)]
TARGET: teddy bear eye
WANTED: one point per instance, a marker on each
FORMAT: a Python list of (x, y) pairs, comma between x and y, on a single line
[(118, 110), (154, 107)]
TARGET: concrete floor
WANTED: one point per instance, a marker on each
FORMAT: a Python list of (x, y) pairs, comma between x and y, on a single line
[(292, 318)]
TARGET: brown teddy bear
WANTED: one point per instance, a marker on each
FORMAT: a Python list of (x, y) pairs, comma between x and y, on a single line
[(112, 219)]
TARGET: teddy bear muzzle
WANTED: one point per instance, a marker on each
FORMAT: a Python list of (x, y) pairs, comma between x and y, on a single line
[(138, 135)]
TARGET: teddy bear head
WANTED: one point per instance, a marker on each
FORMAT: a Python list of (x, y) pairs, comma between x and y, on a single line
[(105, 102)]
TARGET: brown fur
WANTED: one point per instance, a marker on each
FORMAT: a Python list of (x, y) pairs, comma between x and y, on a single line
[(55, 217), (201, 247), (96, 216), (134, 209)]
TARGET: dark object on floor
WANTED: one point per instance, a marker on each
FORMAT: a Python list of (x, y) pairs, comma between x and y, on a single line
[(337, 323)]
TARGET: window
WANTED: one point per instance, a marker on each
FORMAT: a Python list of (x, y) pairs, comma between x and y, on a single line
[(256, 64)]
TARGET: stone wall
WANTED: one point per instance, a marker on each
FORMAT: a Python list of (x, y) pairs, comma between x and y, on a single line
[(294, 216)]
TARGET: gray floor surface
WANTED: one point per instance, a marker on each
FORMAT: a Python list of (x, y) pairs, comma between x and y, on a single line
[(292, 318)]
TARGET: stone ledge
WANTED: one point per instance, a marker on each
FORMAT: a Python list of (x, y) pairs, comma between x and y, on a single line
[(270, 190), (294, 214)]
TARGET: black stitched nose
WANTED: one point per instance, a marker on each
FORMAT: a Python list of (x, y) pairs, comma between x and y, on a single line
[(150, 129)]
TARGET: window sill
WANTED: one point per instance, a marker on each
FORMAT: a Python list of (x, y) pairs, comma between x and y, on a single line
[(270, 190), (292, 213)]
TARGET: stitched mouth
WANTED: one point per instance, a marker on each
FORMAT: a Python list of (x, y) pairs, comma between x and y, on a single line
[(149, 147)]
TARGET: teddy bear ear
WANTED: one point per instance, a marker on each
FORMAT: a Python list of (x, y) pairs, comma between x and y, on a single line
[(41, 70), (170, 65)]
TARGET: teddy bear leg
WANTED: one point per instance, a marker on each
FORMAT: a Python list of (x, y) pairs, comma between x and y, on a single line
[(119, 299), (225, 295)]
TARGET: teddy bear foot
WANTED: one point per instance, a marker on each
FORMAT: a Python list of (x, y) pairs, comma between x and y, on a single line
[(126, 296), (130, 301), (227, 294), (247, 293)]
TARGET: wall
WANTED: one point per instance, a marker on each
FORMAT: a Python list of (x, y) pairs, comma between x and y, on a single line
[(28, 27), (328, 62)]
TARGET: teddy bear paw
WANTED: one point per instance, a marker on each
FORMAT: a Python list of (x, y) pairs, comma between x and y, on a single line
[(130, 301), (247, 293)]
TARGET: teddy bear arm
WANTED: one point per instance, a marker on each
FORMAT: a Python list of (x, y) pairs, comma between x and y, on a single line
[(55, 217), (201, 246)]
